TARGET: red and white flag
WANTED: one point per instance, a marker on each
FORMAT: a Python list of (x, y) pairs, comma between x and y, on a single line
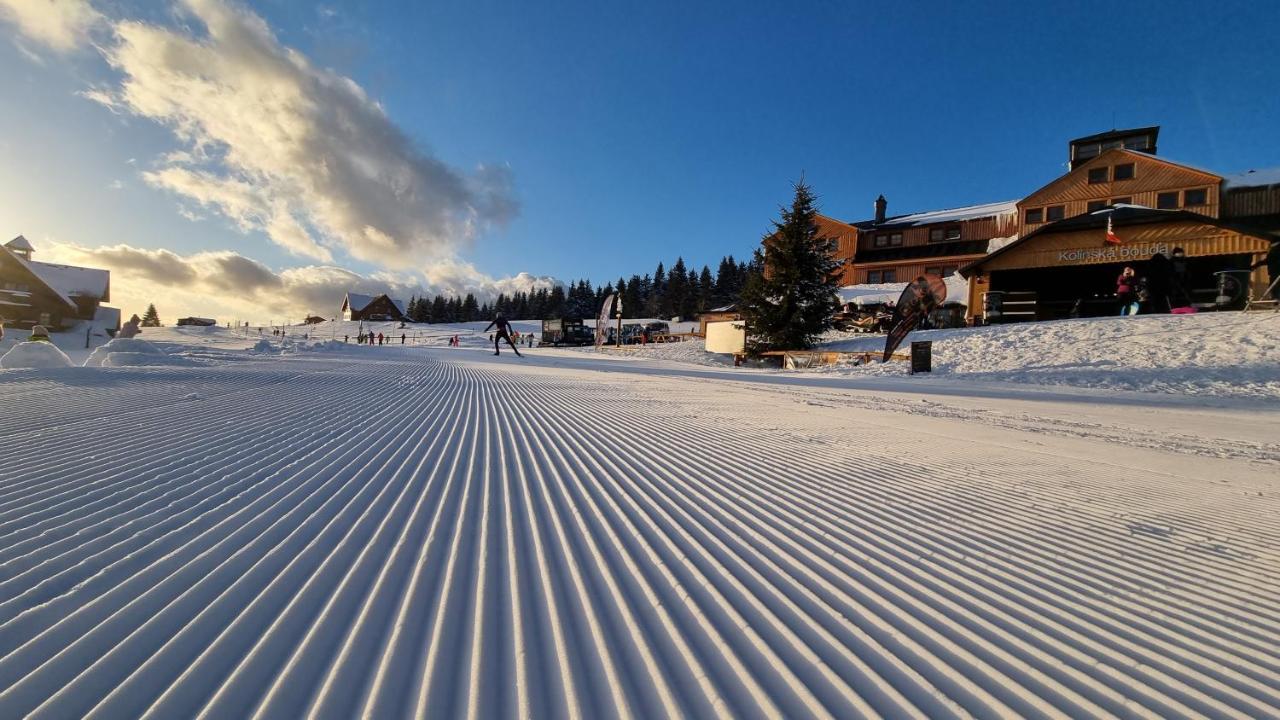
[(1112, 238)]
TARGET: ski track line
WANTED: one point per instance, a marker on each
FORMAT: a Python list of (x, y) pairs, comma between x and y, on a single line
[(435, 534)]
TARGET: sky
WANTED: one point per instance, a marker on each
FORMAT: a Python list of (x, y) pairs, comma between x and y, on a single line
[(250, 160)]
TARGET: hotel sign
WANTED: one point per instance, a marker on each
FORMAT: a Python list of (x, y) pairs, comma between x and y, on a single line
[(1114, 253)]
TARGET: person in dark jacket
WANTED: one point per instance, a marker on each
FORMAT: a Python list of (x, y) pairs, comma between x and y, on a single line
[(1272, 261), (504, 333), (1126, 291)]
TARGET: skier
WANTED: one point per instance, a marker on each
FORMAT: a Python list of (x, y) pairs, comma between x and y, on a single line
[(401, 338), (504, 333), (1272, 263), (380, 338)]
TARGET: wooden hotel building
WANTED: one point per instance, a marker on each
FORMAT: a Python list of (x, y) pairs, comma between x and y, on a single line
[(1050, 247)]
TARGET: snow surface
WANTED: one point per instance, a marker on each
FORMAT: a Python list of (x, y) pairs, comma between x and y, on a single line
[(434, 531), (34, 355)]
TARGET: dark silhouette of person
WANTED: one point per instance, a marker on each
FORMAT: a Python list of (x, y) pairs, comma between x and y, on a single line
[(504, 333), (1272, 261)]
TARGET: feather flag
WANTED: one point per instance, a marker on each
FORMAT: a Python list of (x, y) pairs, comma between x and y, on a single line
[(1112, 238)]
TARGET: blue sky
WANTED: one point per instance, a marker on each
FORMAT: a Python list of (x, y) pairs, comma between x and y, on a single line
[(634, 132)]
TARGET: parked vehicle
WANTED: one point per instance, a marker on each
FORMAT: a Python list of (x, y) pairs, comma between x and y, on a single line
[(560, 331)]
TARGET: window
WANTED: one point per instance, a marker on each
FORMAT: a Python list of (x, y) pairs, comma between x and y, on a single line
[(933, 271), (1142, 142), (1096, 205), (953, 233), (949, 271), (1097, 175), (1192, 198), (873, 277), (895, 239), (935, 235), (1123, 172), (1122, 201), (889, 276), (1035, 216), (882, 241), (1167, 200), (1055, 212)]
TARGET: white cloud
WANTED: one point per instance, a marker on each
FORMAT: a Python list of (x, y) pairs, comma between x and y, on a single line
[(229, 285), (297, 152), (61, 25)]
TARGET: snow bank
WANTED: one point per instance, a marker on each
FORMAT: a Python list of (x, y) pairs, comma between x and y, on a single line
[(133, 352), (34, 355), (1213, 354)]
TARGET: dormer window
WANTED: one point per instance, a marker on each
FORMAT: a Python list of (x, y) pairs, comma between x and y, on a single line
[(1035, 215)]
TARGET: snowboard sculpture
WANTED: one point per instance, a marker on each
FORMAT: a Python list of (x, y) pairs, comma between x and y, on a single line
[(918, 299)]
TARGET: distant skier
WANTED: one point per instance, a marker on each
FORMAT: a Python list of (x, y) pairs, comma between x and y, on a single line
[(504, 333), (401, 338), (380, 338)]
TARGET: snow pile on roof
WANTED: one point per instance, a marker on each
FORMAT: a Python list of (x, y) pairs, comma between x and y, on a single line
[(37, 354), (970, 212), (72, 281), (880, 293), (1253, 178), (995, 244)]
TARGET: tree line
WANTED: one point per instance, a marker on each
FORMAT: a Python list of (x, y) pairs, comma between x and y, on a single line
[(679, 292)]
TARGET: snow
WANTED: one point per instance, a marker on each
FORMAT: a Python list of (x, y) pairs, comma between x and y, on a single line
[(130, 352), (969, 212), (34, 355), (69, 280), (433, 531)]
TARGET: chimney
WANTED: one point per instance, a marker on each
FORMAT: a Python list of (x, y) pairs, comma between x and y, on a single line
[(881, 205)]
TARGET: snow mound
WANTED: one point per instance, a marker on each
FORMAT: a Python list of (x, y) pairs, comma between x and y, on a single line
[(132, 352), (35, 355)]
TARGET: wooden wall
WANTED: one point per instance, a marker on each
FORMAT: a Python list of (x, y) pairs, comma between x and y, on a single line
[(1152, 176), (911, 269), (1246, 202), (977, 229)]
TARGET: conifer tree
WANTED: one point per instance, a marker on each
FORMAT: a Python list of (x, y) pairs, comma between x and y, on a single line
[(791, 305), (151, 318)]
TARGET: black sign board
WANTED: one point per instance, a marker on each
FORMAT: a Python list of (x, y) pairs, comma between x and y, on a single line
[(921, 356)]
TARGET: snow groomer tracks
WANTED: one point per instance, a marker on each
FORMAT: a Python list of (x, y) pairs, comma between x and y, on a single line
[(450, 534)]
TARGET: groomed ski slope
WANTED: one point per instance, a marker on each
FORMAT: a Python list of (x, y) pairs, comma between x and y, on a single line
[(441, 533)]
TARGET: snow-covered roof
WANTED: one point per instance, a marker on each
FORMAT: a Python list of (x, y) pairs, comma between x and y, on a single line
[(19, 243), (1252, 178), (970, 212), (880, 293), (357, 302), (70, 281), (726, 308)]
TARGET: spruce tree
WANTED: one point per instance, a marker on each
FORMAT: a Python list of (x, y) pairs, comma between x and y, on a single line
[(151, 318), (677, 289), (792, 304), (706, 290)]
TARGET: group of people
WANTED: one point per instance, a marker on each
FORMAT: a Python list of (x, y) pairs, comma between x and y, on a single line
[(1162, 290), (370, 338)]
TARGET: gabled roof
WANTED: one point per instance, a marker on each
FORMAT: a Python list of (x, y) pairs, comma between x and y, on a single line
[(19, 243), (357, 302), (969, 212), (26, 265), (1119, 215), (1116, 134), (73, 281), (1137, 154)]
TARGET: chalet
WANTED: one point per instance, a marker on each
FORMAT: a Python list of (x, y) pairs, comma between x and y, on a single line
[(901, 248), (1062, 263), (39, 293), (372, 308)]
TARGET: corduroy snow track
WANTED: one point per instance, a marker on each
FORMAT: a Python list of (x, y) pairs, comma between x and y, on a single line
[(423, 533)]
